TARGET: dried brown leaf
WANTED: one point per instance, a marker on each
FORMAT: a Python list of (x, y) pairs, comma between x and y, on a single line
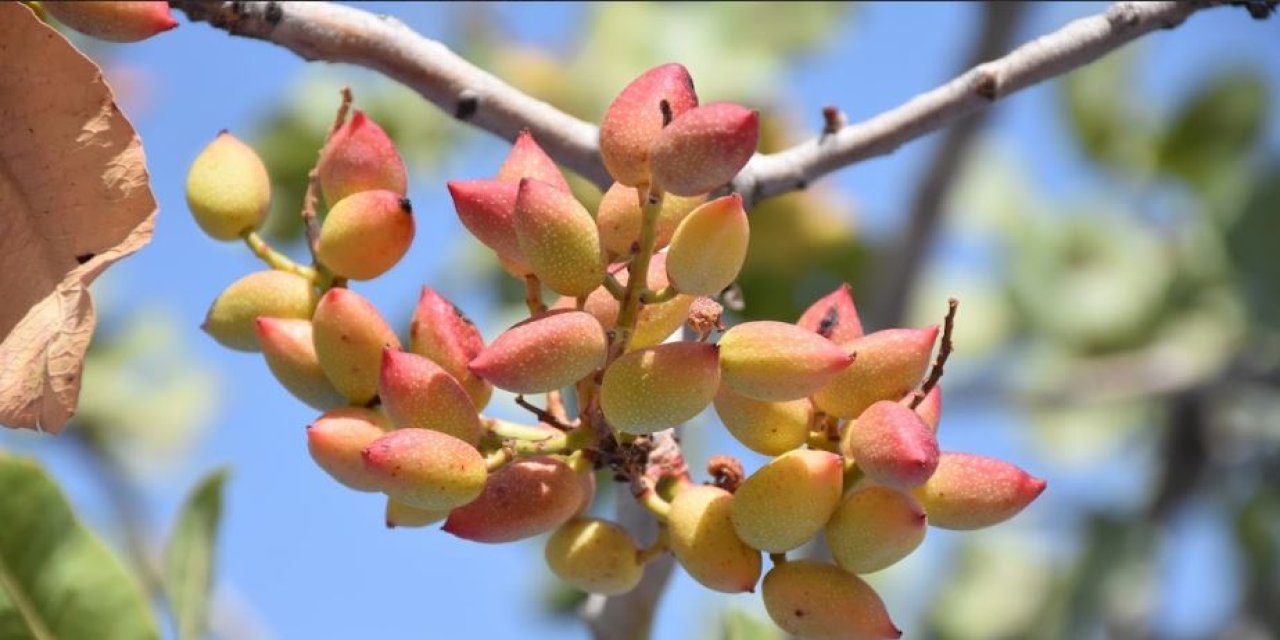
[(74, 198)]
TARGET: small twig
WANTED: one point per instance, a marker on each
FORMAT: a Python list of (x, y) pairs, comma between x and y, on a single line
[(944, 352), (543, 415), (311, 200)]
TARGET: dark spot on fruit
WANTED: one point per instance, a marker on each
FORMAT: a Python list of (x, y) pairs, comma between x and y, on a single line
[(799, 613)]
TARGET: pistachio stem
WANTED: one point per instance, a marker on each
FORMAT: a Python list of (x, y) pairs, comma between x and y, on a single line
[(277, 260), (638, 275)]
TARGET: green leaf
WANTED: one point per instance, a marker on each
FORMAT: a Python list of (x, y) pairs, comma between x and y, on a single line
[(1216, 128), (188, 574), (57, 579), (1111, 120), (740, 625)]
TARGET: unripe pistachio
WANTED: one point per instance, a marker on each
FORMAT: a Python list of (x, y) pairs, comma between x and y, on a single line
[(703, 540), (784, 503), (873, 528), (892, 445), (834, 316), (350, 335), (400, 514), (635, 118), (704, 148), (709, 247), (113, 21), (440, 331), (365, 234), (596, 556), (558, 238), (487, 209), (930, 408), (426, 469), (771, 428), (360, 157), (815, 600), (659, 387), (777, 361), (271, 293), (290, 352), (528, 160), (417, 392), (889, 364), (550, 351), (521, 500), (620, 216), (337, 438), (228, 190), (971, 491)]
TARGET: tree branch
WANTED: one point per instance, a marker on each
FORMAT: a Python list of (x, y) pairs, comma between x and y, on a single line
[(336, 33), (1075, 45)]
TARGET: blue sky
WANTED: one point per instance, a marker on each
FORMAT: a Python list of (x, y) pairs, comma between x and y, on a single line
[(312, 558)]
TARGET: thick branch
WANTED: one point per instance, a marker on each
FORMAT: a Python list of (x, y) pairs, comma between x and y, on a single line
[(336, 33), (1075, 45)]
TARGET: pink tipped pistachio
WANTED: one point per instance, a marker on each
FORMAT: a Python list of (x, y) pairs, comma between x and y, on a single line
[(889, 364), (366, 233), (633, 122), (709, 247), (814, 600), (349, 336), (276, 294), (528, 160), (971, 491), (558, 239), (892, 445), (425, 469), (228, 189), (550, 351), (487, 209), (336, 440), (619, 218), (595, 556), (659, 387), (873, 528), (440, 331), (784, 503), (704, 148), (399, 514), (290, 352), (113, 21), (360, 157), (771, 428), (417, 392), (834, 316), (777, 361), (523, 499), (930, 408), (704, 541)]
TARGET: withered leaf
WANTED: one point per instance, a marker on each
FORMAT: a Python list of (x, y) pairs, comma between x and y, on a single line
[(74, 198)]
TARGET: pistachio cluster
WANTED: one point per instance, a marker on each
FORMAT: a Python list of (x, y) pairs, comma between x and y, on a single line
[(849, 418)]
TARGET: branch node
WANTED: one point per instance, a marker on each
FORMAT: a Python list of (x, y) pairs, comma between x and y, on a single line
[(832, 120), (274, 13), (467, 106), (986, 84)]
